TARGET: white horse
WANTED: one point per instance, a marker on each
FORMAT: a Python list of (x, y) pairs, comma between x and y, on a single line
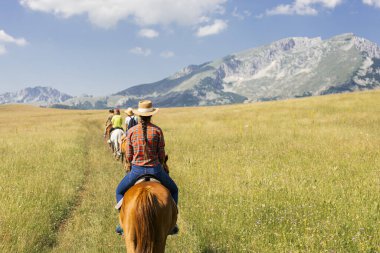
[(115, 141)]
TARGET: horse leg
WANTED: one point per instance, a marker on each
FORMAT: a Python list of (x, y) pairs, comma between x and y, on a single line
[(117, 152), (112, 148)]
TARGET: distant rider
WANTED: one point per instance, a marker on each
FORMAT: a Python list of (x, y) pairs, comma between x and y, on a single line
[(117, 122), (108, 122), (131, 119), (111, 111)]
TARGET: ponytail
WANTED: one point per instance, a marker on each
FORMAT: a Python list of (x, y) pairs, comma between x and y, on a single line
[(144, 123)]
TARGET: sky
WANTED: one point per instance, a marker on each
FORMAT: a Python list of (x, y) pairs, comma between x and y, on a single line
[(100, 47)]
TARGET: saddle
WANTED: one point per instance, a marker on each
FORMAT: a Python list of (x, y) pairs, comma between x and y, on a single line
[(146, 178), (140, 179)]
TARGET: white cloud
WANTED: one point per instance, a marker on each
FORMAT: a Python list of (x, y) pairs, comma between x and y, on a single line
[(375, 3), (215, 28), (6, 38), (291, 10), (107, 13), (167, 54), (239, 15), (148, 33), (303, 7), (140, 51)]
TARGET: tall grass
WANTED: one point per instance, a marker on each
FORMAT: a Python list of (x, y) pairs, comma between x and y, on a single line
[(291, 176), (43, 167)]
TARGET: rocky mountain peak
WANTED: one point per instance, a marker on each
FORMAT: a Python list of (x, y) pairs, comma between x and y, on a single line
[(288, 68), (34, 95)]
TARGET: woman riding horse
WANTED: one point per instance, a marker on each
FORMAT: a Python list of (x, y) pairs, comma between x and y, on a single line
[(108, 123), (109, 119), (146, 154), (117, 122)]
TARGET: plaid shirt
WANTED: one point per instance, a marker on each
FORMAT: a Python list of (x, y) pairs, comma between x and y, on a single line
[(155, 145)]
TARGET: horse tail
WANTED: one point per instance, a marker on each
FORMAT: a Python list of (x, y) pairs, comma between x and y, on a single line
[(146, 213)]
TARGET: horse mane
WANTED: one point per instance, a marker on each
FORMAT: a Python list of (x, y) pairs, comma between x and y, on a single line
[(146, 214)]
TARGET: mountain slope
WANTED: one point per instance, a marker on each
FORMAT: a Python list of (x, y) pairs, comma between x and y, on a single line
[(287, 68), (34, 95)]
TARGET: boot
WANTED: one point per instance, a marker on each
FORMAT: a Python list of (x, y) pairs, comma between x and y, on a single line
[(119, 230)]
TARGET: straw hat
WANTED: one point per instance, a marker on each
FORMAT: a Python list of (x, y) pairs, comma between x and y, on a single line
[(129, 111), (145, 108)]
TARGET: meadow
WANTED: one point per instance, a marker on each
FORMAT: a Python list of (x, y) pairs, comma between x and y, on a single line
[(297, 175)]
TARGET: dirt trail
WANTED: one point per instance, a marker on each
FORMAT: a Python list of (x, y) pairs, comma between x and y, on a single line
[(90, 220)]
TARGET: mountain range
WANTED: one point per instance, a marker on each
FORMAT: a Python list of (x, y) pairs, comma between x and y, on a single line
[(288, 68), (37, 95)]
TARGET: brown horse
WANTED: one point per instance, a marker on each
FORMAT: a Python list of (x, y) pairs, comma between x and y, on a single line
[(123, 150), (147, 216), (107, 133)]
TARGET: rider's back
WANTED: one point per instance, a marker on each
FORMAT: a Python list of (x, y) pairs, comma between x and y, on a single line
[(117, 121)]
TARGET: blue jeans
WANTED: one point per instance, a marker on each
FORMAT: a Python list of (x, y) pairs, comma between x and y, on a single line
[(137, 171)]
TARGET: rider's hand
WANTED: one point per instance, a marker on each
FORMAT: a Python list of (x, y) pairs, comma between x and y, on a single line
[(127, 167)]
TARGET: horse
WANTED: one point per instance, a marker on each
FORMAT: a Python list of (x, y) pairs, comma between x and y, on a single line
[(123, 150), (147, 216), (116, 135), (107, 133)]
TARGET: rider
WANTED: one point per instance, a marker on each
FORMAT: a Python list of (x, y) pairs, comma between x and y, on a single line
[(146, 154), (117, 121), (130, 120), (111, 111), (108, 122)]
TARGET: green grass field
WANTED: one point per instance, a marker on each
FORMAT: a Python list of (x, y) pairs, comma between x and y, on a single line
[(290, 176)]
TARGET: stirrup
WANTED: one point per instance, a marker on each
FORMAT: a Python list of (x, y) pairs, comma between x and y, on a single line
[(119, 204)]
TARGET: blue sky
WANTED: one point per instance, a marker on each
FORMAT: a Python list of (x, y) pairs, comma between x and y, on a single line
[(100, 47)]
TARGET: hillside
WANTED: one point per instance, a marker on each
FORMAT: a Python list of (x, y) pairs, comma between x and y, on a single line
[(288, 68), (38, 95), (299, 175)]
